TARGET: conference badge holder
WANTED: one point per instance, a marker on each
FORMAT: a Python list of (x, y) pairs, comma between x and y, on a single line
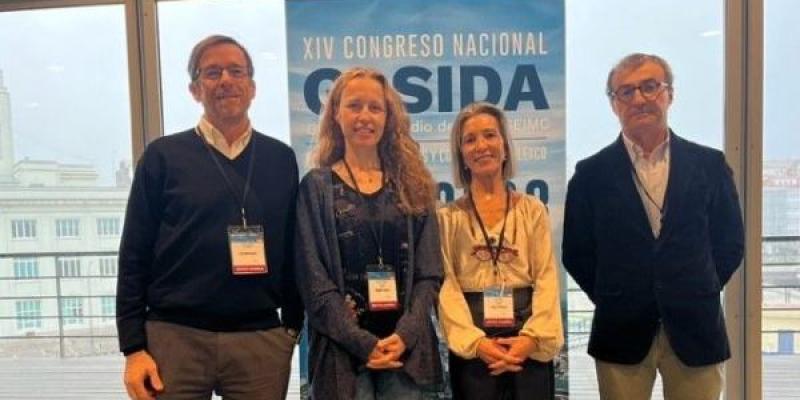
[(382, 287), (248, 250), (498, 307)]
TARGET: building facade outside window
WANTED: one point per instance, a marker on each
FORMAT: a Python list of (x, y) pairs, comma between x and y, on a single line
[(26, 268), (72, 310), (29, 314), (67, 228), (68, 267), (23, 229), (107, 266), (780, 199), (108, 226), (108, 308)]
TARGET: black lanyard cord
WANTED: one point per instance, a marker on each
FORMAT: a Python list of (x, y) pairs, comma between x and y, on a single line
[(228, 182), (378, 237), (662, 209), (493, 250)]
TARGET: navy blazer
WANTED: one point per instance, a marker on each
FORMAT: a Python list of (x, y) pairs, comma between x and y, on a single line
[(637, 280)]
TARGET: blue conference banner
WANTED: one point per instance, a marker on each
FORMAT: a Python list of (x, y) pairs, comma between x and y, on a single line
[(442, 55)]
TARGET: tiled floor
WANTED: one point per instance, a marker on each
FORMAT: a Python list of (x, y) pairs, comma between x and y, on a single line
[(99, 378)]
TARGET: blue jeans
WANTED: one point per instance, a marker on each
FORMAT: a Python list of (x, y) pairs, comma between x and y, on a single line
[(386, 385)]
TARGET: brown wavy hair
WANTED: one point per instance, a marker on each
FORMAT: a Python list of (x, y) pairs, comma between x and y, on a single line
[(400, 155)]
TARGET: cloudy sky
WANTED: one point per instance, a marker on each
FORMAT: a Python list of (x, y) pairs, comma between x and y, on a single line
[(66, 71)]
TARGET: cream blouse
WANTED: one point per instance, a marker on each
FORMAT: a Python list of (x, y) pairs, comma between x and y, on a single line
[(529, 261)]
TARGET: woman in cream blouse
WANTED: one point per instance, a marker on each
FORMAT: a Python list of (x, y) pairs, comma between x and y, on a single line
[(499, 304)]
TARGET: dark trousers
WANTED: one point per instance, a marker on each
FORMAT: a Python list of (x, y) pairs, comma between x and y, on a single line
[(193, 363), (470, 380)]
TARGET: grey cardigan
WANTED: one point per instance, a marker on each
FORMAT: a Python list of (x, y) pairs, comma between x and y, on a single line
[(337, 345)]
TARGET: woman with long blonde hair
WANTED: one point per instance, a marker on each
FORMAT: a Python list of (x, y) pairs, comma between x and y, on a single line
[(367, 248)]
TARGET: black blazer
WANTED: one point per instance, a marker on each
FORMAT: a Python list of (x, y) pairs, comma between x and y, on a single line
[(636, 280)]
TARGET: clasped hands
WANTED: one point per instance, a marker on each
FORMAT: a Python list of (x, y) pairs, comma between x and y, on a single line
[(387, 353), (505, 354)]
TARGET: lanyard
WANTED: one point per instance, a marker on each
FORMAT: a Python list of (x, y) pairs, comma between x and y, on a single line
[(228, 181), (661, 209), (378, 237), (494, 250)]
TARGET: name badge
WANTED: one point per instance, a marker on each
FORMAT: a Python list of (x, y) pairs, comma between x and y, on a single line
[(498, 307), (382, 288), (248, 250)]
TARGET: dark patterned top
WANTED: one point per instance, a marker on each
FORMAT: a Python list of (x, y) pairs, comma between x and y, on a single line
[(358, 229)]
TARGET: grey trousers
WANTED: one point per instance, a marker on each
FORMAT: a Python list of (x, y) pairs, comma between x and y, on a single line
[(193, 363)]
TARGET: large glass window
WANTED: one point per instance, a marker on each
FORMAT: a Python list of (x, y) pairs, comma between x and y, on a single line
[(780, 321), (67, 85), (65, 161), (258, 25), (692, 42)]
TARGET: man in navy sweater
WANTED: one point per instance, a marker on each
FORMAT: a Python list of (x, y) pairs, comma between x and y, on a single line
[(204, 259)]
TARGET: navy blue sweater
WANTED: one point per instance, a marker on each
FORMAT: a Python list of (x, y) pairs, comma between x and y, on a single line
[(174, 258)]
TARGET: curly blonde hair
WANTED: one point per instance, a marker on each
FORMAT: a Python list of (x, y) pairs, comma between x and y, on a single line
[(400, 155)]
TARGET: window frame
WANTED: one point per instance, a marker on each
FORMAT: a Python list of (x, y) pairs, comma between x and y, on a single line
[(72, 311), (68, 228), (68, 267), (28, 323), (25, 267), (108, 308), (108, 266), (109, 226), (23, 229), (743, 148)]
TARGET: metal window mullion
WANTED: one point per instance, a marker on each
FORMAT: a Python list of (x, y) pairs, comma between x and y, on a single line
[(23, 5), (144, 74), (743, 127)]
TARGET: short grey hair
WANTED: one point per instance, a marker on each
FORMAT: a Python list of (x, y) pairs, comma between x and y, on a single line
[(635, 60), (461, 175), (211, 41)]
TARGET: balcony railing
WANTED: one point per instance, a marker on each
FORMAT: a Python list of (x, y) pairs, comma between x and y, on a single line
[(780, 293), (71, 319), (56, 314)]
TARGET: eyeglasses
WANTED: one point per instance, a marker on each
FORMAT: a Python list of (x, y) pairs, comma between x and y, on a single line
[(215, 73), (650, 89)]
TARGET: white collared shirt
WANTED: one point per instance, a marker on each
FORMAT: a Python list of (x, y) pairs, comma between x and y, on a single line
[(653, 176), (217, 140)]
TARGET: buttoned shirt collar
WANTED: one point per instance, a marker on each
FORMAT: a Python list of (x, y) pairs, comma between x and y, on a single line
[(217, 140), (637, 153)]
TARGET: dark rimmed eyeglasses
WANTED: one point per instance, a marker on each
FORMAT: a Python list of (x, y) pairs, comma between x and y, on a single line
[(215, 73), (650, 89)]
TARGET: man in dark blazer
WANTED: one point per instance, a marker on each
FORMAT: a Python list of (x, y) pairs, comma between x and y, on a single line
[(652, 232)]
